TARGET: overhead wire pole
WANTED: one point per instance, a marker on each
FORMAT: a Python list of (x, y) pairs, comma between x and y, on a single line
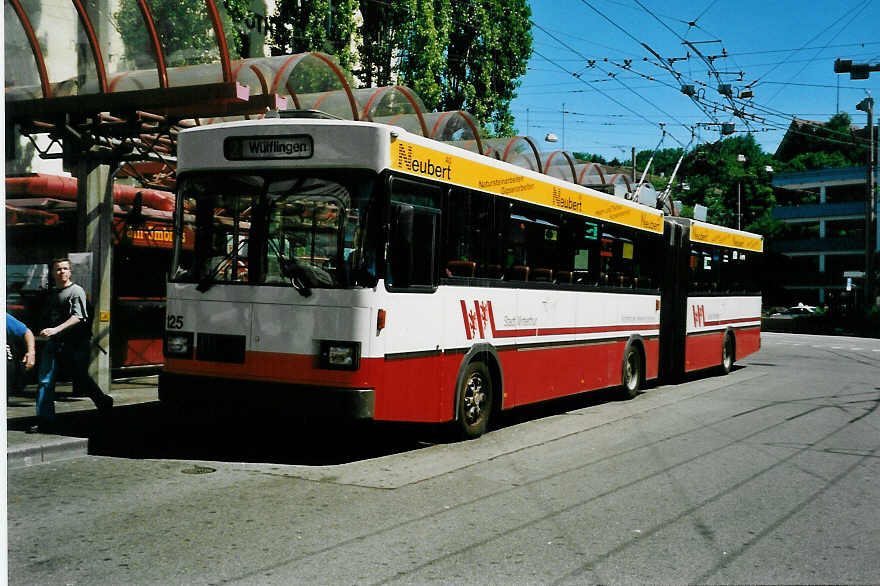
[(863, 71)]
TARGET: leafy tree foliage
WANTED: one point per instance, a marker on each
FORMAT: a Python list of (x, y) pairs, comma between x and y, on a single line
[(423, 63), (664, 160), (185, 31), (592, 157), (384, 30), (735, 193), (463, 56), (489, 45), (833, 144), (300, 26)]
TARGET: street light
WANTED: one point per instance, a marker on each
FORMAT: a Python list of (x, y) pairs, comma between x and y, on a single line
[(867, 106), (739, 216)]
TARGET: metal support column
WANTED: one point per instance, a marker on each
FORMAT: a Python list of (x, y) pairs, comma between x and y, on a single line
[(95, 228)]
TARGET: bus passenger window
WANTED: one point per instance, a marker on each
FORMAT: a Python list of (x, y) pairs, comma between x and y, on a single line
[(415, 227), (582, 268)]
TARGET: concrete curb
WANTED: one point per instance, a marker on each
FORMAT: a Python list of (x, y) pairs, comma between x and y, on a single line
[(23, 450)]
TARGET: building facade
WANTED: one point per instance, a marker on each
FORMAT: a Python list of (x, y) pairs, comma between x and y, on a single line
[(824, 240)]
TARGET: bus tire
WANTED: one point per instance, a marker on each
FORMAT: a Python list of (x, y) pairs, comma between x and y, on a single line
[(475, 398), (631, 372), (728, 353)]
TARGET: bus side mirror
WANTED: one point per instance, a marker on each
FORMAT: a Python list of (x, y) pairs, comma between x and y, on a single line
[(401, 264)]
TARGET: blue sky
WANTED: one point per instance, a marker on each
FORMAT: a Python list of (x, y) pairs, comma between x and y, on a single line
[(784, 49)]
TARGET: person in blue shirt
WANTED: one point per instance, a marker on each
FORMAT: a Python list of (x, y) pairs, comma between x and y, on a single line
[(18, 337)]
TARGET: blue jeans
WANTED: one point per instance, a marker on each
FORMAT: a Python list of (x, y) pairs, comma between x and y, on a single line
[(74, 356)]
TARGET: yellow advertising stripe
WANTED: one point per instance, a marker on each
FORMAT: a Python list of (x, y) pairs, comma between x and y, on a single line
[(710, 235), (425, 162)]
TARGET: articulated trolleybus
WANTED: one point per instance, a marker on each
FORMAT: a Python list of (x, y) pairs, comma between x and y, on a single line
[(354, 268)]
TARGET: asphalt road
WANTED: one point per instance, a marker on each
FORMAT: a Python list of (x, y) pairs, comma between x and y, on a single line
[(768, 475)]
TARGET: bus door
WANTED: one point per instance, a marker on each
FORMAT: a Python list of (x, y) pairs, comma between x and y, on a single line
[(673, 298), (414, 330)]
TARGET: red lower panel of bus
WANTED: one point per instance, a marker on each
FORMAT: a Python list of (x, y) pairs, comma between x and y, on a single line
[(532, 375), (423, 388), (704, 350), (748, 341)]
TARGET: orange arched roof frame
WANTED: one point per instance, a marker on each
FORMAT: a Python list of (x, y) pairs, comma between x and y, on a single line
[(588, 167), (467, 120), (35, 47), (97, 55), (366, 114), (283, 74), (508, 149), (568, 159)]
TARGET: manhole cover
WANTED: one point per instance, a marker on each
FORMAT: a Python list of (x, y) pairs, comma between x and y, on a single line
[(198, 470)]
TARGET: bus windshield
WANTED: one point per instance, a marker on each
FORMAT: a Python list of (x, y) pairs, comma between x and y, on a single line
[(305, 231)]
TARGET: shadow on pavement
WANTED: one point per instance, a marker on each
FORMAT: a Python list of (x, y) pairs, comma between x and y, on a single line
[(150, 431)]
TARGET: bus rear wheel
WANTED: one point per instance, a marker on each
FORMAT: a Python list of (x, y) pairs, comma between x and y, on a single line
[(631, 372), (475, 395), (728, 353)]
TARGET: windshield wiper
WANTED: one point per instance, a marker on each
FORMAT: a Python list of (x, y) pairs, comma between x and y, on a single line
[(291, 270), (206, 282)]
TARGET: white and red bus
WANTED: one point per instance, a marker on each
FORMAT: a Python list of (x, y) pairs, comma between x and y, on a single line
[(352, 267)]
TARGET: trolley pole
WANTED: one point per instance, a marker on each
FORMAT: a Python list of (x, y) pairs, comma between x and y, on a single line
[(867, 106)]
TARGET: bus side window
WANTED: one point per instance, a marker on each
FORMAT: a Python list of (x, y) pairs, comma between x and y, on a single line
[(415, 230), (471, 247)]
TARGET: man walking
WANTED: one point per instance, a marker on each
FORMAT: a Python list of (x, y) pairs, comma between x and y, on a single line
[(68, 344)]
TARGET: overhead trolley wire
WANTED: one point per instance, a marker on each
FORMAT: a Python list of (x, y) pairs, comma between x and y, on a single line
[(606, 95), (865, 5), (578, 76), (816, 36)]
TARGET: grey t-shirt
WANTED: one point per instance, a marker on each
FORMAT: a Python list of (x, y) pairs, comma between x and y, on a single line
[(64, 303)]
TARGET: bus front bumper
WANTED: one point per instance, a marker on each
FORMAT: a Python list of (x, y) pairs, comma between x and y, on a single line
[(243, 395)]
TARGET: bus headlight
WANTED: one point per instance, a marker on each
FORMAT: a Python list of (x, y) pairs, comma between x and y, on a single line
[(340, 355), (178, 344)]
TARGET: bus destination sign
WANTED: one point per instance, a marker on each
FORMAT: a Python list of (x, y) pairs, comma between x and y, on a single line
[(248, 148)]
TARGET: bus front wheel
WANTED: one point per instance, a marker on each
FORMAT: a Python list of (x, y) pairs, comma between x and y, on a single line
[(474, 401), (631, 372)]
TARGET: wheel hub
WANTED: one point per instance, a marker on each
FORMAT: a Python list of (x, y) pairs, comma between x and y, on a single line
[(474, 399)]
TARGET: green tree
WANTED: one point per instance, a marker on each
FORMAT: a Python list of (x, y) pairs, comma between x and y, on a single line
[(185, 31), (384, 29), (664, 160), (422, 63), (592, 157), (803, 143), (735, 192), (490, 42), (299, 26), (467, 56)]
